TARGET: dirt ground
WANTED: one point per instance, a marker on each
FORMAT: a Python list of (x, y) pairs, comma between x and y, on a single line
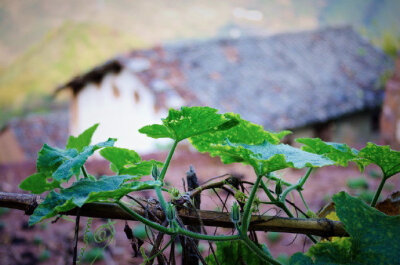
[(52, 243)]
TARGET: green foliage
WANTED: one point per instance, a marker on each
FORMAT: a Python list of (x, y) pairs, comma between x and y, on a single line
[(188, 122), (373, 237), (93, 255), (244, 132), (267, 157), (128, 162), (39, 183), (56, 166), (387, 159), (82, 140), (342, 154), (357, 183), (234, 252), (85, 191)]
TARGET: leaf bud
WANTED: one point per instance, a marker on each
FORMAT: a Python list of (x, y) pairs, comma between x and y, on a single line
[(170, 212), (235, 213), (278, 188), (155, 172)]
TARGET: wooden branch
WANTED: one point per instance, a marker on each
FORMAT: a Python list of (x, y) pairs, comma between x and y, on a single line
[(319, 227)]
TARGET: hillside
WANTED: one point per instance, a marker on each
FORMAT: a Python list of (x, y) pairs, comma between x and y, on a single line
[(64, 52)]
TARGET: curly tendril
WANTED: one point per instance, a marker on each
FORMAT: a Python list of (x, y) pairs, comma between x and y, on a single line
[(105, 233)]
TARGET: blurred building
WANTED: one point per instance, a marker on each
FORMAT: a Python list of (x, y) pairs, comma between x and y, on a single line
[(390, 120), (323, 83)]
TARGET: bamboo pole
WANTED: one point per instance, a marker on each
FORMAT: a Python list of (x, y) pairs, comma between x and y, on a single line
[(319, 227)]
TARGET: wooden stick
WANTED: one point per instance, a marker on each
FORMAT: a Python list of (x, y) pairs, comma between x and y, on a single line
[(319, 227)]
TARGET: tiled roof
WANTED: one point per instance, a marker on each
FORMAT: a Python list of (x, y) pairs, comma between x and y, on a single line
[(282, 82)]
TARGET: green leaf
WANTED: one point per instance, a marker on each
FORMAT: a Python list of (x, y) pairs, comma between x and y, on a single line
[(387, 159), (50, 158), (244, 132), (61, 165), (235, 252), (300, 259), (72, 165), (128, 162), (86, 191), (339, 251), (342, 154), (82, 140), (39, 183), (373, 236), (373, 233), (188, 122), (267, 157)]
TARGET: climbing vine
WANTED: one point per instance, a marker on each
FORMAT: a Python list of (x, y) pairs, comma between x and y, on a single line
[(369, 236)]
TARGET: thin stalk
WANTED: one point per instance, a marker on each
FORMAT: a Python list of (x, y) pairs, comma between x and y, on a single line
[(162, 250), (85, 175), (266, 190), (261, 254), (161, 198), (378, 191), (247, 206), (271, 177), (167, 161), (299, 185), (304, 201)]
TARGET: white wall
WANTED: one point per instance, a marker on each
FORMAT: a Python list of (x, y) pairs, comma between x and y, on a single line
[(120, 116)]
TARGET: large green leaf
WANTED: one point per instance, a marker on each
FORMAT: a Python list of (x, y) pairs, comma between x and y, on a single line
[(235, 253), (340, 153), (267, 157), (244, 132), (86, 191), (387, 159), (373, 236), (82, 140), (38, 183), (128, 162), (188, 122)]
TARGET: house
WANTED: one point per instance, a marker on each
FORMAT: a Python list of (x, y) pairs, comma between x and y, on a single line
[(322, 83), (22, 138), (390, 119)]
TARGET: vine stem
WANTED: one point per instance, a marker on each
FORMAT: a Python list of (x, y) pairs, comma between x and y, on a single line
[(378, 191), (297, 186), (247, 206), (176, 231), (167, 161)]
